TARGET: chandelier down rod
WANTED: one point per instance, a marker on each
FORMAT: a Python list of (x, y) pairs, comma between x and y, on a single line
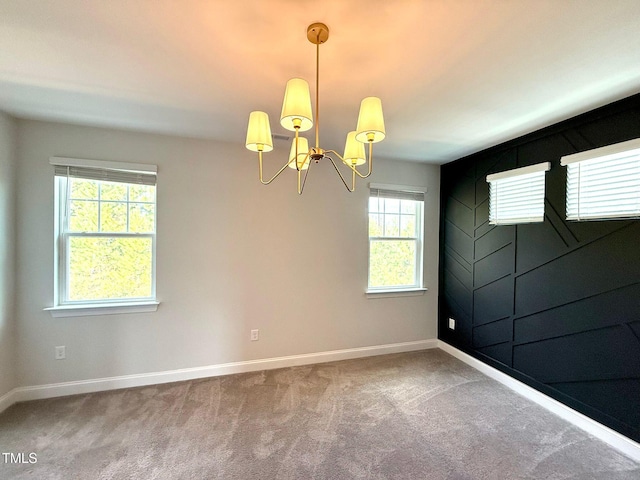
[(317, 42)]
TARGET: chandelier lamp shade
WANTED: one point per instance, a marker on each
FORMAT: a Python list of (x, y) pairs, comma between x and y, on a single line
[(297, 116)]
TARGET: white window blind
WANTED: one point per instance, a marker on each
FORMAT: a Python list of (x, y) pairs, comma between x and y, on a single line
[(604, 183), (140, 174), (397, 194), (517, 196)]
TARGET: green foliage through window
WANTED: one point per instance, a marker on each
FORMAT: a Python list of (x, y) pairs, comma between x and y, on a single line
[(392, 263), (108, 239), (96, 206), (109, 268)]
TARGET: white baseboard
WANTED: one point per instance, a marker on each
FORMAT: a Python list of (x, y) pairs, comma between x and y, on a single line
[(7, 400), (37, 392), (618, 441)]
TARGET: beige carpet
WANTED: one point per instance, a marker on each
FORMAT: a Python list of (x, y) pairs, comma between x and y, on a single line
[(422, 415)]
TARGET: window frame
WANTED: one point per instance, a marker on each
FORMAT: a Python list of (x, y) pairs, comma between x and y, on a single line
[(521, 197), (63, 306), (418, 286)]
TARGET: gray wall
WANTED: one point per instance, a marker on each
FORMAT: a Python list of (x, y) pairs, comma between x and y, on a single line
[(7, 253), (232, 255)]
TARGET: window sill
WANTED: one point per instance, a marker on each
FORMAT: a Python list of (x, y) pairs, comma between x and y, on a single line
[(63, 311), (409, 292)]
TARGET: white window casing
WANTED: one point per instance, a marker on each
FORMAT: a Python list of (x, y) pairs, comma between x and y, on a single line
[(411, 199), (604, 183), (517, 196), (125, 173)]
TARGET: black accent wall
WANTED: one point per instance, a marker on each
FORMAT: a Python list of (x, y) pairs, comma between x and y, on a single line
[(554, 304)]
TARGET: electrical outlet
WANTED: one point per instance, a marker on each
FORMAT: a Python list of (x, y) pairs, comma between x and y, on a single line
[(255, 335), (452, 324), (61, 353)]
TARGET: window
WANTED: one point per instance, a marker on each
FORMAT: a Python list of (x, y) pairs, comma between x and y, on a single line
[(517, 196), (604, 183), (395, 239), (105, 232)]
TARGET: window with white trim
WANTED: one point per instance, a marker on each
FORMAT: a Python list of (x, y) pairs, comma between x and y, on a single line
[(395, 239), (517, 196), (105, 232), (604, 183)]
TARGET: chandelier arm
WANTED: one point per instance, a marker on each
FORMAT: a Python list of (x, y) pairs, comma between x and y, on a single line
[(301, 187), (354, 169), (277, 173), (353, 186), (296, 157), (370, 161), (306, 156)]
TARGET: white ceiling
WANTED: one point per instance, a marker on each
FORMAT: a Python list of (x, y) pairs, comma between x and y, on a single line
[(454, 76)]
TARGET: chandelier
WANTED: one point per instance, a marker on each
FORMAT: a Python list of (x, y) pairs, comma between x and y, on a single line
[(297, 117)]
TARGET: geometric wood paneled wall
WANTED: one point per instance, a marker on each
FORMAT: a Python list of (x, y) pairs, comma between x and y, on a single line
[(555, 304)]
